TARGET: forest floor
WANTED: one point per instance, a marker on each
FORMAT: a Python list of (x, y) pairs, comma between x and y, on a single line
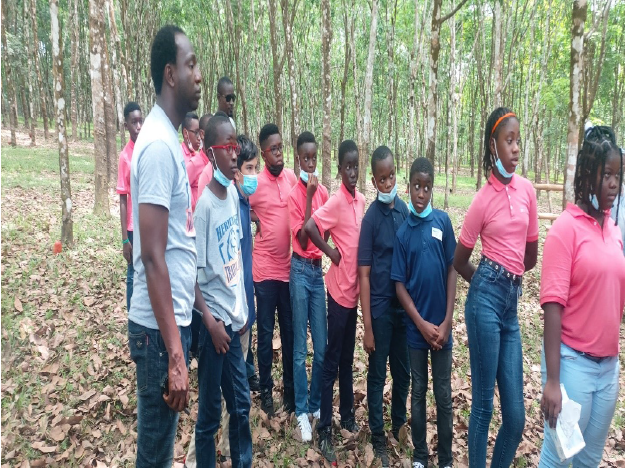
[(68, 396)]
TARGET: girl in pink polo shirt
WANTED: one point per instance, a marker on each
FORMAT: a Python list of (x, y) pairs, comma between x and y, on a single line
[(504, 215), (582, 292)]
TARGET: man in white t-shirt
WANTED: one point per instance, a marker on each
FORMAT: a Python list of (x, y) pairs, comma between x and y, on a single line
[(164, 254)]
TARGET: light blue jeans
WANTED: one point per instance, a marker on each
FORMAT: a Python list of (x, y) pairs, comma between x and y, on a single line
[(593, 385), (496, 357), (308, 302)]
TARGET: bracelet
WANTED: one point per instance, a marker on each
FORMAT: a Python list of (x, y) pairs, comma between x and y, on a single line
[(126, 241)]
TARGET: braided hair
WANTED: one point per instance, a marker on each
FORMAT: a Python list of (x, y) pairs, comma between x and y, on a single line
[(487, 162), (599, 143)]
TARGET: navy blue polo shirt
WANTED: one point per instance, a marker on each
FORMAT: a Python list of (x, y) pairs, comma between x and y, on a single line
[(375, 249), (422, 256), (246, 253)]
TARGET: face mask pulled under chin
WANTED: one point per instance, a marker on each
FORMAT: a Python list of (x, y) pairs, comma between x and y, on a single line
[(275, 170)]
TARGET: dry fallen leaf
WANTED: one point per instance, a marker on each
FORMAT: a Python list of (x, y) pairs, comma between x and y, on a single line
[(18, 305)]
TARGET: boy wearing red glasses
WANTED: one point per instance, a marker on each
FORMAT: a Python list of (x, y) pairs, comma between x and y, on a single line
[(221, 364), (271, 266)]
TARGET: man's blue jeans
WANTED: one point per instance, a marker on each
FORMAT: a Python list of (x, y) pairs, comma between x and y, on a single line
[(156, 422), (272, 295), (496, 356), (594, 385), (389, 333), (130, 274), (225, 373), (308, 302)]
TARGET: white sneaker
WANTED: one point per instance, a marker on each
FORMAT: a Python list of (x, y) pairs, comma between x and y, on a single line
[(317, 414), (417, 465), (304, 427)]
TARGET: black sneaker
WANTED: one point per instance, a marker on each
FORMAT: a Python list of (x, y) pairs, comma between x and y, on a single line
[(266, 402), (254, 383), (395, 432), (325, 444), (379, 447), (350, 425)]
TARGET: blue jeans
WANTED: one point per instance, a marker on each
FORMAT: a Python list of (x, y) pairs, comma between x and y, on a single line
[(308, 302), (496, 355), (156, 422), (225, 373), (130, 274), (272, 295), (389, 333), (594, 386)]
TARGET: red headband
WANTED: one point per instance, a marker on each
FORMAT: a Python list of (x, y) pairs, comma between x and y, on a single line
[(505, 116)]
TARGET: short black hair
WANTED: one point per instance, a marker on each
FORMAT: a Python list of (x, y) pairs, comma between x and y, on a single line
[(487, 162), (190, 116), (422, 165), (249, 150), (204, 121), (380, 154), (163, 52), (305, 137), (131, 107), (346, 146), (599, 142), (267, 131), (210, 135), (223, 81)]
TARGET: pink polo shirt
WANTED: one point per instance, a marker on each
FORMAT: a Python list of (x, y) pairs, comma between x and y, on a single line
[(584, 271), (342, 216), (271, 258), (195, 162), (205, 177), (506, 218), (297, 210), (123, 180)]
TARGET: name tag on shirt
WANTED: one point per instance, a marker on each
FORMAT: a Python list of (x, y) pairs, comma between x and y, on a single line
[(436, 233)]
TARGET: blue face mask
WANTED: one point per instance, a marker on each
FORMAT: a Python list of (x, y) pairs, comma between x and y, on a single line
[(220, 177), (387, 198), (500, 167), (304, 175), (425, 212), (594, 201), (250, 183)]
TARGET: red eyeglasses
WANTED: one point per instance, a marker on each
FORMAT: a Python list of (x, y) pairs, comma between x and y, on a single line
[(229, 148)]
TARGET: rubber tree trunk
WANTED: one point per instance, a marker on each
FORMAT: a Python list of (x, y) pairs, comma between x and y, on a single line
[(67, 231)]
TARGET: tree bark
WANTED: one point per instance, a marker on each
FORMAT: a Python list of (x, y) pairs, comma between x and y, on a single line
[(288, 18), (109, 112), (115, 45), (35, 53), (352, 45), (498, 53), (67, 236), (591, 73), (96, 54), (75, 40), (326, 72), (277, 64), (7, 68), (366, 128), (432, 107), (347, 27), (580, 8)]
